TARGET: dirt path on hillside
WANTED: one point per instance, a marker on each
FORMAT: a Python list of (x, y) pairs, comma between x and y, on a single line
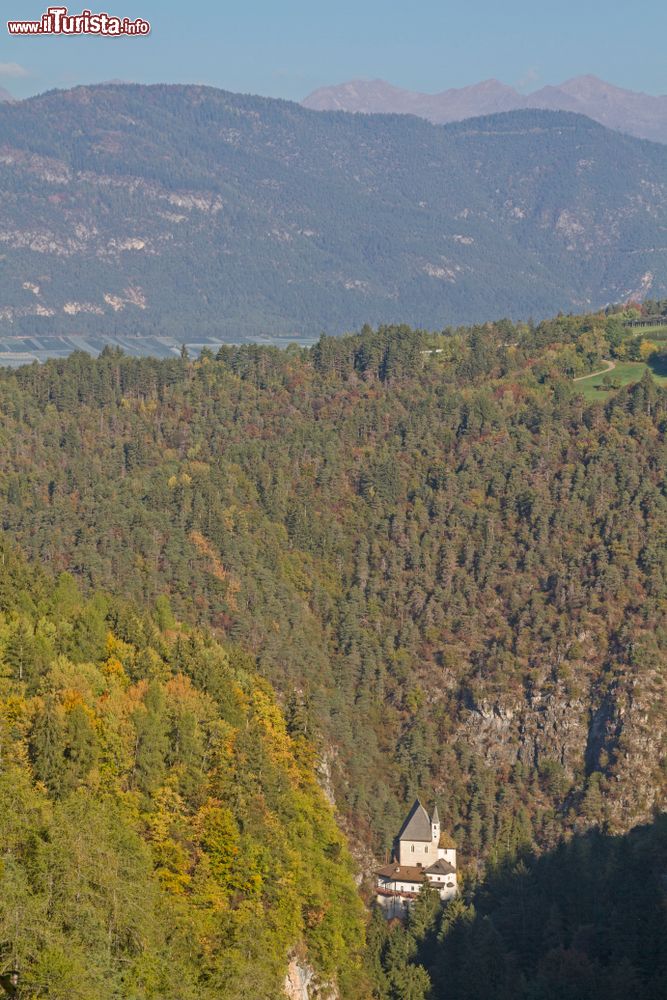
[(603, 371)]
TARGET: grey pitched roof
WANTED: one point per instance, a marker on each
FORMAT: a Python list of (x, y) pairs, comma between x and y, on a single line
[(435, 818), (441, 867), (417, 825)]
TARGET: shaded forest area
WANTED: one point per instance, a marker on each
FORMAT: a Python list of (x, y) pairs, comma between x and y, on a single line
[(585, 922)]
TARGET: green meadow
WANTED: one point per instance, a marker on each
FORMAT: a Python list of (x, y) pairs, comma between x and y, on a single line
[(625, 373)]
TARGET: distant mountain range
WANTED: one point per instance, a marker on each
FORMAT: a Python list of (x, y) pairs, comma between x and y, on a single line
[(637, 114), (5, 95), (190, 212)]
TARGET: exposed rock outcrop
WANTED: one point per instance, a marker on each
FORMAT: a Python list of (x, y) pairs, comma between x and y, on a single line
[(301, 983)]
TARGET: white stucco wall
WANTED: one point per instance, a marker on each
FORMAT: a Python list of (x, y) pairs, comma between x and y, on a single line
[(441, 883)]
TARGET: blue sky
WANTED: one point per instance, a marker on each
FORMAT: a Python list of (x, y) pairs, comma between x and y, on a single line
[(286, 48)]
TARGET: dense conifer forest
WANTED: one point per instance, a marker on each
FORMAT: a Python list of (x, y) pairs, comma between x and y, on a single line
[(448, 564)]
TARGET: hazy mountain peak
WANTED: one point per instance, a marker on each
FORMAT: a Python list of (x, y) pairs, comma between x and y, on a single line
[(362, 95), (639, 114), (589, 85), (486, 85)]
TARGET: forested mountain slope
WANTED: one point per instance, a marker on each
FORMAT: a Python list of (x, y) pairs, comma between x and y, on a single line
[(192, 212), (451, 567), (161, 834)]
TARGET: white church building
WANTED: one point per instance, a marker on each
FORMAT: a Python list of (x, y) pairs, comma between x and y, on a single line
[(419, 856)]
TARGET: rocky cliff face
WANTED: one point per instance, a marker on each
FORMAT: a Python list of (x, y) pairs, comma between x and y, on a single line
[(604, 740), (301, 983)]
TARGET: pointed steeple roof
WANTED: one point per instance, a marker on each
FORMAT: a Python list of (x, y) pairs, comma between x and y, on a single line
[(417, 825), (435, 818)]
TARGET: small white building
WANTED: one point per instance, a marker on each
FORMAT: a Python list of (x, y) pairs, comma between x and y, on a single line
[(419, 856)]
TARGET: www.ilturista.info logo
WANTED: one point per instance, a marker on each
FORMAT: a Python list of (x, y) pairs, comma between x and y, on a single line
[(58, 21)]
